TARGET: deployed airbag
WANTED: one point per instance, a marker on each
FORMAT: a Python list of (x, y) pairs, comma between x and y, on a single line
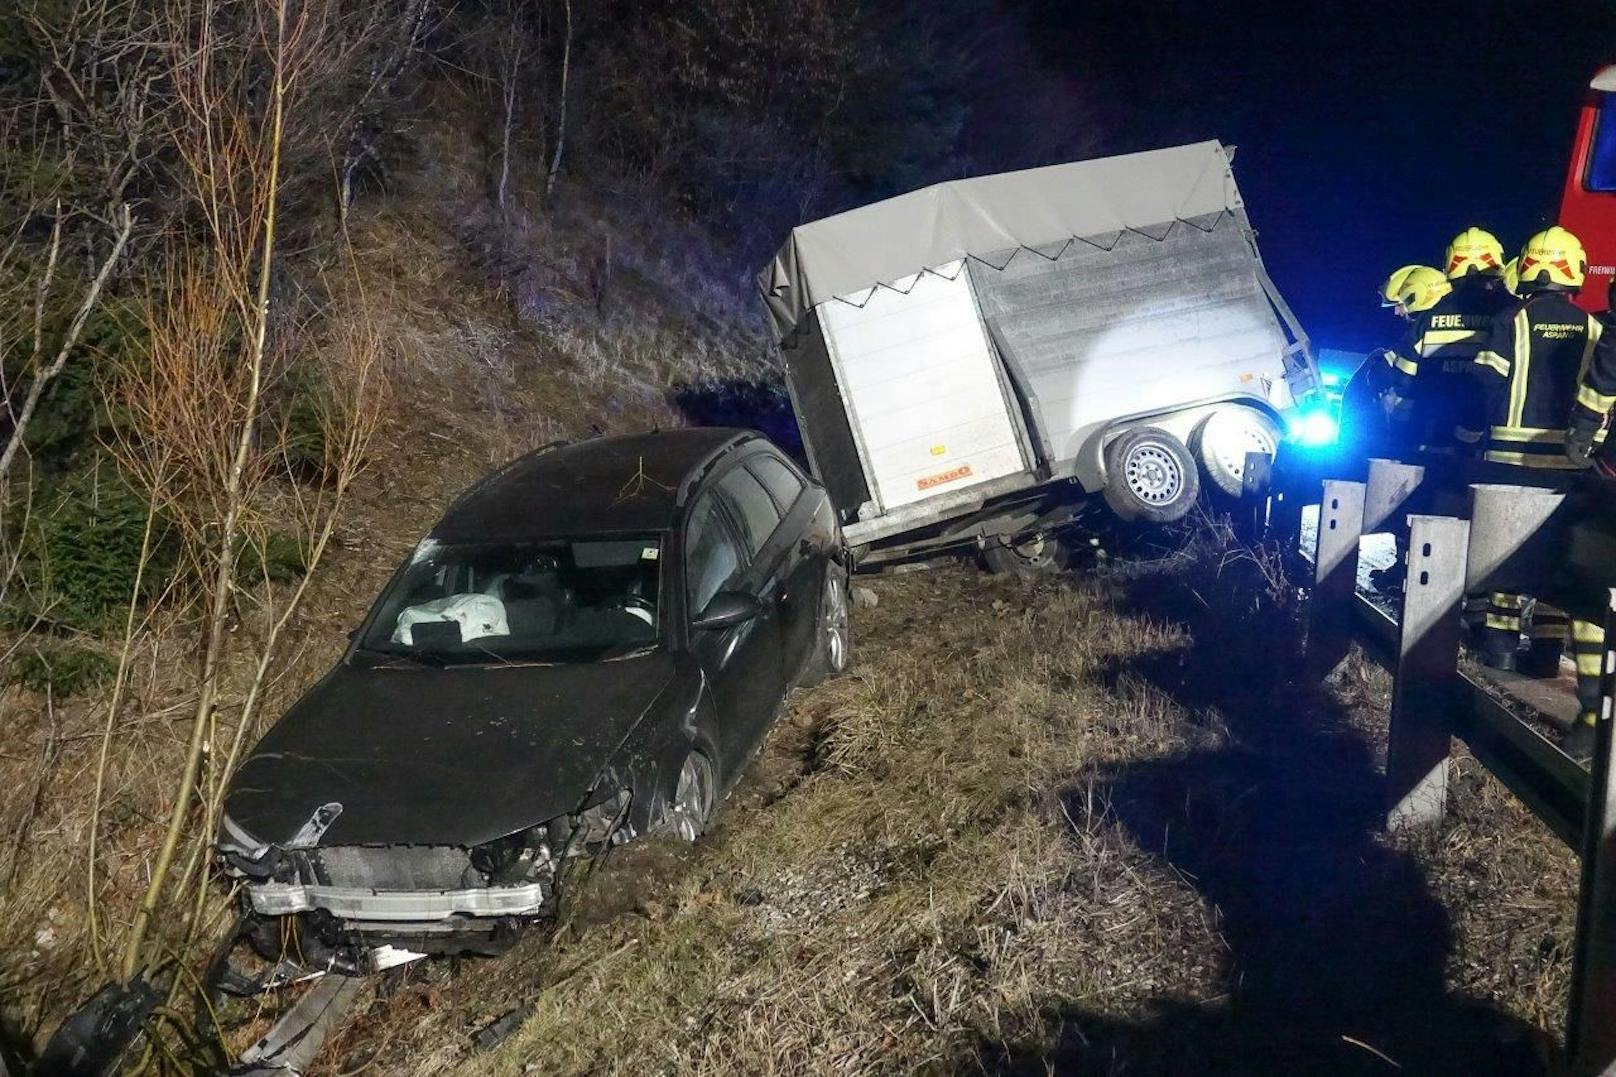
[(477, 615)]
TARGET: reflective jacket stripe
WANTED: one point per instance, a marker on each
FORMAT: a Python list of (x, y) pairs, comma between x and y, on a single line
[(1439, 338), (1529, 433), (1595, 401), (1558, 462), (1522, 372)]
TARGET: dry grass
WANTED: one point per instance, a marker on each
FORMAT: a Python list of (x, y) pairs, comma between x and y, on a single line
[(908, 886), (1509, 883)]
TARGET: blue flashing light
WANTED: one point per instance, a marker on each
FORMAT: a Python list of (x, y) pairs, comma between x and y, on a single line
[(1331, 378), (1315, 428)]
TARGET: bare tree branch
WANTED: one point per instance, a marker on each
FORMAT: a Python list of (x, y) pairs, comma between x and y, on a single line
[(43, 378), (561, 117)]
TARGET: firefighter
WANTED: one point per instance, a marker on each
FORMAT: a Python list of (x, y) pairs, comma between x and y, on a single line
[(1596, 389), (1421, 395), (1418, 402), (1587, 445), (1373, 415), (1448, 327), (1536, 368)]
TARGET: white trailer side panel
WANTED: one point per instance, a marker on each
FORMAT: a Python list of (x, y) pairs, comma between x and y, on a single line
[(928, 407), (1146, 326)]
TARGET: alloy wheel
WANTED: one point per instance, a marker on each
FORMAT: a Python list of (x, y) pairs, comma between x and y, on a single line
[(835, 622), (693, 797)]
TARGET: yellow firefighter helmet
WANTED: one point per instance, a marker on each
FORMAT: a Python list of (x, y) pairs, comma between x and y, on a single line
[(1553, 259), (1512, 276), (1414, 288), (1475, 250), (1388, 291)]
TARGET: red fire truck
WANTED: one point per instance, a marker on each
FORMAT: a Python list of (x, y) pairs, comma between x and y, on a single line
[(1588, 206)]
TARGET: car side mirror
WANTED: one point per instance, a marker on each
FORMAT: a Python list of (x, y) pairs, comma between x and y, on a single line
[(728, 609)]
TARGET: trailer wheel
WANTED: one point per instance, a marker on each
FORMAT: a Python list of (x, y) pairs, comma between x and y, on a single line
[(1150, 476), (1034, 555), (1222, 440)]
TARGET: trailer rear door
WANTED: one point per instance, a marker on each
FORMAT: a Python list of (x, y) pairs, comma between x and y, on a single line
[(930, 409)]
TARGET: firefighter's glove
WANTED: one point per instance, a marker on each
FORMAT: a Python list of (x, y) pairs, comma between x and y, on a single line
[(1399, 409), (1580, 445)]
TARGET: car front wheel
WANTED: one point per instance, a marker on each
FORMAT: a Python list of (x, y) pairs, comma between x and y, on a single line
[(693, 798)]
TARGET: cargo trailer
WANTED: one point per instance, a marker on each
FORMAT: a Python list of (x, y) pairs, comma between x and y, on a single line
[(975, 361)]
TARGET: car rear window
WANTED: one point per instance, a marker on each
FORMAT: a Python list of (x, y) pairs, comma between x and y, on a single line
[(756, 509), (780, 480)]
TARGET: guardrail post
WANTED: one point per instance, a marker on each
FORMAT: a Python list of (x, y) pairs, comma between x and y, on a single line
[(1335, 576), (1591, 1035), (1512, 545), (1391, 483), (1292, 487), (1427, 672), (1256, 482)]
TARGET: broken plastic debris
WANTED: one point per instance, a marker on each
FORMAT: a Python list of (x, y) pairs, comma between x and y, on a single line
[(382, 958)]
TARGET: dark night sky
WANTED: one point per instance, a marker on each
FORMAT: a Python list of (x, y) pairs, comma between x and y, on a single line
[(1368, 133)]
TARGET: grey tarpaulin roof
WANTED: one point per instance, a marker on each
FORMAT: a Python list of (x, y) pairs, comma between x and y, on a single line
[(887, 241)]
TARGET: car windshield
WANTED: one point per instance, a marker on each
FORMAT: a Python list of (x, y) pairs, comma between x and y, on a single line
[(565, 600)]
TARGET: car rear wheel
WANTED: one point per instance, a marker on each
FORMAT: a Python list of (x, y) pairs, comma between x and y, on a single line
[(833, 646), (693, 797), (1035, 555), (1150, 476)]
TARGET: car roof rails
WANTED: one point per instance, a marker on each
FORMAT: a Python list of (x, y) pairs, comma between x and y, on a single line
[(710, 461)]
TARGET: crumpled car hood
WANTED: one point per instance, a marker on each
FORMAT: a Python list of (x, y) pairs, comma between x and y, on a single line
[(453, 756)]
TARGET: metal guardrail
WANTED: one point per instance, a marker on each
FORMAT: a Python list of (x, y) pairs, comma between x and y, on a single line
[(1521, 538)]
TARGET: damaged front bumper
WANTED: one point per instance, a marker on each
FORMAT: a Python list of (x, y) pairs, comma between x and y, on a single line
[(414, 907), (446, 897)]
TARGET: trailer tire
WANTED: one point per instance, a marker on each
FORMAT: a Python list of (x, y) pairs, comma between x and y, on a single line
[(1222, 440), (1029, 558), (1151, 476)]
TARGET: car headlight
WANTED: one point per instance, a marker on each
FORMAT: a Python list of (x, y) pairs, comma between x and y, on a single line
[(235, 838)]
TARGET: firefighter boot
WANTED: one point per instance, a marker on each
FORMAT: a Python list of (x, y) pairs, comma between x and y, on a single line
[(1501, 635), (1588, 651), (1548, 630)]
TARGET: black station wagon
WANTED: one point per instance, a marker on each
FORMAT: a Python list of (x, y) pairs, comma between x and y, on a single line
[(589, 646)]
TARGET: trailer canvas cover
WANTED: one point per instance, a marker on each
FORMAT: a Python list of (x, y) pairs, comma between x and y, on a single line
[(989, 218)]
